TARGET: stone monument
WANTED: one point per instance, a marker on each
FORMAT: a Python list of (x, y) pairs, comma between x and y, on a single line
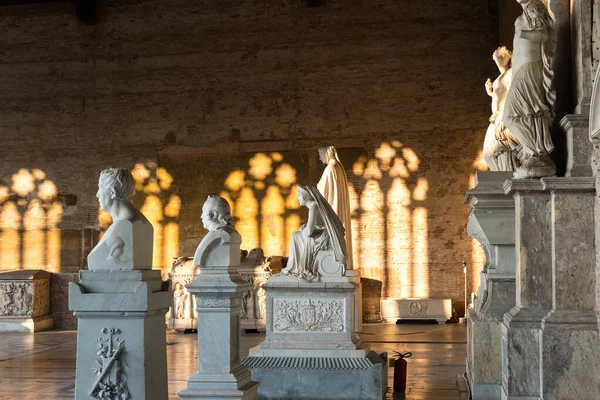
[(120, 304), (218, 290), (182, 314), (529, 105), (312, 349), (500, 148), (492, 223), (256, 270), (25, 301)]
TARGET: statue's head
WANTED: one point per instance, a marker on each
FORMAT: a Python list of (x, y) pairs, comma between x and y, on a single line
[(216, 213), (502, 56), (326, 153), (537, 15), (114, 185), (303, 195)]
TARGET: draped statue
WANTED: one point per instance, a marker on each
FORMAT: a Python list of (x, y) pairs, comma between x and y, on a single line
[(323, 232), (529, 106), (500, 148), (334, 188)]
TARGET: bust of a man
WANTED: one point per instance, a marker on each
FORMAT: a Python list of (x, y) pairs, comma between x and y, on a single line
[(221, 246), (127, 243)]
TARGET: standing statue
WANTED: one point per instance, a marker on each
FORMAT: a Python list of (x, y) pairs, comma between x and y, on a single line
[(323, 232), (529, 106), (221, 245), (500, 148), (127, 243), (334, 188)]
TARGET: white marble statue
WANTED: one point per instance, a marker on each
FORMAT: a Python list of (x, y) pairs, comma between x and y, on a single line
[(127, 243), (322, 232), (334, 187), (529, 106), (221, 246), (500, 148)]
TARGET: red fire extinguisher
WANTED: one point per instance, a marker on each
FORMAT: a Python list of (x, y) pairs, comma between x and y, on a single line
[(400, 371)]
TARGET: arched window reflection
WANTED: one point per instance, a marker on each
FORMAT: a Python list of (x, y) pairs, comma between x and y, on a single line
[(30, 211), (264, 202)]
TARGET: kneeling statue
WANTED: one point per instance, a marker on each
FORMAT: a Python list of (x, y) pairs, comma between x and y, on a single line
[(322, 231)]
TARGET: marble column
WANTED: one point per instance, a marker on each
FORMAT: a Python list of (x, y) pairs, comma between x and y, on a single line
[(570, 336), (492, 224), (522, 325), (218, 291)]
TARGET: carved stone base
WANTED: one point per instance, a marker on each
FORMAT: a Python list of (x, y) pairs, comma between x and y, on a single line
[(484, 357), (25, 301), (320, 378), (393, 309), (121, 336), (536, 167)]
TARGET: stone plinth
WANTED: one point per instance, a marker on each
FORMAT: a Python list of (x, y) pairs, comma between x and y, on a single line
[(492, 224), (220, 375), (25, 301), (254, 301), (570, 337), (121, 337), (312, 349), (393, 309), (579, 147), (522, 325)]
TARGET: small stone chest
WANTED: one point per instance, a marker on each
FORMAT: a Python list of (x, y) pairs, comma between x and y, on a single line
[(25, 301)]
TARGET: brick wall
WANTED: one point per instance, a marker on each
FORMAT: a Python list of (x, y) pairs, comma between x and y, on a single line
[(194, 91)]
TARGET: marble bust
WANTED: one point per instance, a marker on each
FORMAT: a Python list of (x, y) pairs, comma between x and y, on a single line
[(322, 233), (221, 245), (500, 148), (128, 242), (334, 188), (529, 107)]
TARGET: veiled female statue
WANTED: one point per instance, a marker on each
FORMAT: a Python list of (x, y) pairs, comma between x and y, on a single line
[(529, 106), (500, 148), (322, 231), (334, 188)]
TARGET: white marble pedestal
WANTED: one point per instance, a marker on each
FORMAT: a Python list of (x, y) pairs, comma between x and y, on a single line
[(393, 309), (25, 301), (312, 349), (220, 375), (121, 336)]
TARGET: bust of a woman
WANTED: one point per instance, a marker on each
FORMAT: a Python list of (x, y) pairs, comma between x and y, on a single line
[(127, 243)]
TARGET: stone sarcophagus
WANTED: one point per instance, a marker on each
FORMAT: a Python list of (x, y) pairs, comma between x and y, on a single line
[(25, 301), (256, 270), (182, 312), (393, 309)]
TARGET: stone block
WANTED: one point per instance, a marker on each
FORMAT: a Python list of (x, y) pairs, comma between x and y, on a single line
[(25, 301), (425, 309)]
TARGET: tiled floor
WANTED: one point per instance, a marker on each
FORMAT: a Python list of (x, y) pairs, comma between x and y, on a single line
[(42, 366)]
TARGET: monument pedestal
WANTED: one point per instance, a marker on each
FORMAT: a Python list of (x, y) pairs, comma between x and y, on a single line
[(522, 327), (492, 224), (220, 374), (121, 336), (570, 337), (312, 349)]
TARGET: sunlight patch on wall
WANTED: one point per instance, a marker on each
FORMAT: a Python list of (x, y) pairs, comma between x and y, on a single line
[(30, 211), (264, 203)]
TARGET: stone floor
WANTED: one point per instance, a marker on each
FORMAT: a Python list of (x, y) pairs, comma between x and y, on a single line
[(42, 366)]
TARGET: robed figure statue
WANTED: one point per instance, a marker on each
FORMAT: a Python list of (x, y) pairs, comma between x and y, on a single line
[(322, 231), (334, 188)]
